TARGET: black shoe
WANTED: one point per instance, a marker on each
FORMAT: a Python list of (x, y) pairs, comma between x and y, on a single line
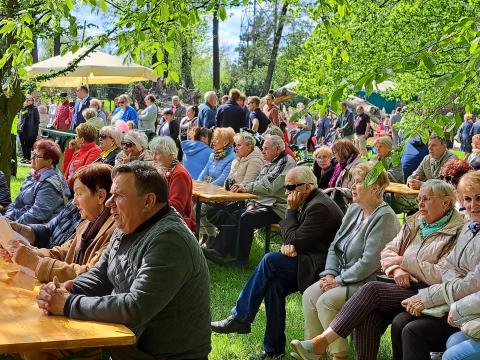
[(214, 256), (230, 325), (267, 356)]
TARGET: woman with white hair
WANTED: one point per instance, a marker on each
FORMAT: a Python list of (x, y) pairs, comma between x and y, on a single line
[(110, 141), (179, 181), (134, 147)]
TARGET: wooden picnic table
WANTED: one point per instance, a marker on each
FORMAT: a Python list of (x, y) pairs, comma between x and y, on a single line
[(217, 196), (24, 327), (401, 190)]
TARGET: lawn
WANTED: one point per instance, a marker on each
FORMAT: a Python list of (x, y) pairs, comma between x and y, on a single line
[(226, 284)]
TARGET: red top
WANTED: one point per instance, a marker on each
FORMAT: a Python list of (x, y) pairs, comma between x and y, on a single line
[(272, 113), (63, 116), (74, 160), (180, 193)]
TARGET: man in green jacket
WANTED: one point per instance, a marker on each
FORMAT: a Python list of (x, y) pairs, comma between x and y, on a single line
[(152, 277)]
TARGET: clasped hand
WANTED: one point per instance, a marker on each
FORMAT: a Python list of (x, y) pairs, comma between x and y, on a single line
[(328, 282), (53, 296), (288, 250), (390, 261), (238, 188), (413, 305)]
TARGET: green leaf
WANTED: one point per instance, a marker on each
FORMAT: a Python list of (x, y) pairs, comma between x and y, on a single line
[(169, 46), (373, 174), (222, 13), (428, 61), (474, 45), (103, 5), (69, 4), (348, 36), (337, 94), (344, 55)]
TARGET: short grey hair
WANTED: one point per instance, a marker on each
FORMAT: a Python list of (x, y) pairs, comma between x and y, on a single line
[(210, 95), (277, 141), (384, 140), (247, 138), (175, 97), (436, 137), (440, 188), (164, 145), (89, 113), (273, 130), (303, 174), (114, 133), (124, 97)]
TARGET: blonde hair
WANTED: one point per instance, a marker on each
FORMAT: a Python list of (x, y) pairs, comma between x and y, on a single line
[(324, 149), (96, 104), (89, 113), (225, 134), (469, 181), (384, 140), (364, 168), (247, 138)]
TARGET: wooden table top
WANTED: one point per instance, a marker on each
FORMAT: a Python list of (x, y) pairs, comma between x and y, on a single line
[(401, 189), (24, 327), (208, 192)]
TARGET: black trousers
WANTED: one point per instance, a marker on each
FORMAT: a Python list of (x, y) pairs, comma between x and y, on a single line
[(27, 145), (413, 338), (249, 221)]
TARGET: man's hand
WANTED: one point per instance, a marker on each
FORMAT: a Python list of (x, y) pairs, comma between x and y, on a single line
[(288, 250), (413, 306), (238, 188), (296, 199), (328, 282), (450, 320), (390, 261), (414, 184), (53, 296), (401, 277), (25, 256)]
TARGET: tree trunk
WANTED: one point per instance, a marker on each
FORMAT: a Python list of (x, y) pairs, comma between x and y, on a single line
[(57, 45), (276, 44), (216, 53), (186, 62), (35, 51)]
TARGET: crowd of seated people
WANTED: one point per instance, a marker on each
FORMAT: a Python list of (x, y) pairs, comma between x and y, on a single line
[(118, 245)]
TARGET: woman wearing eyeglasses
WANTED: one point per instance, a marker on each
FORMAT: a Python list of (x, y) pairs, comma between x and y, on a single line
[(353, 257), (44, 192), (323, 166), (110, 141), (411, 261), (81, 151), (134, 147)]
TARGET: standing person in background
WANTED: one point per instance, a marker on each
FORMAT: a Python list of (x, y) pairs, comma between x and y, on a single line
[(396, 118), (52, 108), (178, 109), (362, 127), (82, 103), (148, 116), (224, 99), (126, 112), (230, 114), (323, 127), (208, 111), (28, 124), (345, 124), (464, 131), (474, 158), (241, 102), (188, 122), (475, 128), (98, 106), (271, 110), (63, 116), (257, 120)]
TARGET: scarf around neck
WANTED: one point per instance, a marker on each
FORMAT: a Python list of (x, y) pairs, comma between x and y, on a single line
[(428, 229), (338, 169), (90, 233), (220, 154)]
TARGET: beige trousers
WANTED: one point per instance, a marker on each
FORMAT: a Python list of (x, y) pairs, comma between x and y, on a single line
[(319, 309), (361, 144)]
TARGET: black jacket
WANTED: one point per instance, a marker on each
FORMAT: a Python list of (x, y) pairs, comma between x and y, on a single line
[(231, 115), (322, 180), (29, 121), (311, 229)]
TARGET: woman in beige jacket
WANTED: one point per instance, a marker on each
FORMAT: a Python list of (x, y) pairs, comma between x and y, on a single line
[(91, 185), (412, 260)]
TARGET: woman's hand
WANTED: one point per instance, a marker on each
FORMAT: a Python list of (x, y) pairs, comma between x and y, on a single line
[(73, 143), (450, 320), (401, 277), (288, 250), (328, 282), (413, 305), (26, 257), (390, 261)]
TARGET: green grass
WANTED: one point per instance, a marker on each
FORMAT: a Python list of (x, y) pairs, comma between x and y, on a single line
[(226, 284)]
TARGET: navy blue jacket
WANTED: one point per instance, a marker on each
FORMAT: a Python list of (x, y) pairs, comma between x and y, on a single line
[(206, 116), (231, 115), (29, 121), (413, 155)]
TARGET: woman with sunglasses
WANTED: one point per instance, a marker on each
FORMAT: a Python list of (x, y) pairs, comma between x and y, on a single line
[(134, 147), (110, 141), (411, 261), (81, 151), (353, 258)]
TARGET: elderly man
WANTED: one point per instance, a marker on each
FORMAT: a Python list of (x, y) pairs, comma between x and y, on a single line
[(345, 124), (146, 278), (268, 209), (431, 164), (178, 109), (207, 112), (311, 222)]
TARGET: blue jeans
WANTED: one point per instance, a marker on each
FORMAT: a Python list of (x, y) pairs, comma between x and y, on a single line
[(273, 280), (461, 347)]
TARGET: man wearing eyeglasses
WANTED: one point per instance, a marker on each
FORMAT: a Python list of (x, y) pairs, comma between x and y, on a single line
[(310, 224), (82, 103)]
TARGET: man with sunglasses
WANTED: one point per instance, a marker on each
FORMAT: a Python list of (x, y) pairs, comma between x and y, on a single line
[(311, 222)]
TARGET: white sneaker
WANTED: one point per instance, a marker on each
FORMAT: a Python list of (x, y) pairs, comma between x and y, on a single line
[(302, 351)]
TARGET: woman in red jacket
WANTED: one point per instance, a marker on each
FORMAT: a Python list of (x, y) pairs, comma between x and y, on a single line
[(178, 179), (88, 151)]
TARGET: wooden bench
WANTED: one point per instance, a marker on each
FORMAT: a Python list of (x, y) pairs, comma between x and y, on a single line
[(273, 228)]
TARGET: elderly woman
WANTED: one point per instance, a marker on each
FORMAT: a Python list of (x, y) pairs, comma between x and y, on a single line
[(148, 116), (134, 147), (460, 278), (220, 161), (383, 146), (323, 166), (188, 122), (44, 192), (178, 180), (196, 150), (88, 151), (98, 106), (110, 141), (347, 156), (91, 185), (353, 258), (125, 111), (245, 168), (91, 117), (411, 261)]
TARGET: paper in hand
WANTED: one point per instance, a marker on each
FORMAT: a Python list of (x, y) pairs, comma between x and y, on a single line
[(7, 236)]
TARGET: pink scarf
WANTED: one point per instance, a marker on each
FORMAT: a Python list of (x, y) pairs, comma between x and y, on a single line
[(338, 169)]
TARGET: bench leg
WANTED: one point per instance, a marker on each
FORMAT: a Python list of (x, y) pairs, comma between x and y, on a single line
[(267, 239)]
